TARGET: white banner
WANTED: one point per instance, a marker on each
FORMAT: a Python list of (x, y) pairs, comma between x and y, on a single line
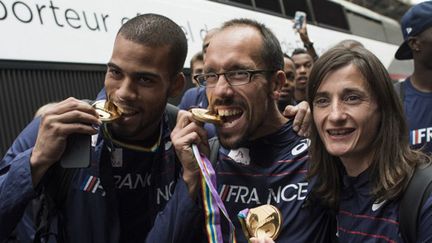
[(83, 31)]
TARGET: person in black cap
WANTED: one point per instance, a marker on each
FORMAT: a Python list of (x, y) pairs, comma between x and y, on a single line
[(416, 90)]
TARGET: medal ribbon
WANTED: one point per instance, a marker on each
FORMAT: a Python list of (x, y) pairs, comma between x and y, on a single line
[(212, 201)]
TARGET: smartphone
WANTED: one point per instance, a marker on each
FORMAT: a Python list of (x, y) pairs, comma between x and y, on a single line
[(299, 19), (77, 152)]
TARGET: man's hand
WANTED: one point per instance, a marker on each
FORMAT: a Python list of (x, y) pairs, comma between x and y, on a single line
[(302, 117), (306, 41), (57, 123), (187, 132), (303, 32)]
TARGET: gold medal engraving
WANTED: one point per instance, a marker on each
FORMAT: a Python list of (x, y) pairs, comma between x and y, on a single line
[(263, 221), (107, 110), (203, 115)]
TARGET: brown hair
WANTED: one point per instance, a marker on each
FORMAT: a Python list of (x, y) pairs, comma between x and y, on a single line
[(197, 57), (393, 160)]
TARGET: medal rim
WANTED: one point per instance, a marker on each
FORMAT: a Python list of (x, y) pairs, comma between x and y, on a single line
[(102, 105), (202, 115), (260, 224)]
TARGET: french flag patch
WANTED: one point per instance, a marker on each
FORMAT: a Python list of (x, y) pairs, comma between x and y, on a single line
[(92, 184)]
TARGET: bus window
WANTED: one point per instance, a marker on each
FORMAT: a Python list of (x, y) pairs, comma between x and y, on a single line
[(269, 5), (367, 27), (393, 32), (330, 14), (245, 2), (291, 6)]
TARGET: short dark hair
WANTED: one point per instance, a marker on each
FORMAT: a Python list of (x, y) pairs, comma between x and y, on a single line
[(156, 30), (271, 52), (288, 56), (299, 51)]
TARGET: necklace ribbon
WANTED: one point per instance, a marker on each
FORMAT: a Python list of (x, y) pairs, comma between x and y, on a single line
[(212, 202)]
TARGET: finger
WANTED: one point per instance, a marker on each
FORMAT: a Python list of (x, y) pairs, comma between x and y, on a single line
[(290, 111), (306, 126), (183, 118), (186, 136), (72, 104), (298, 119), (198, 129), (79, 116), (189, 139), (81, 122), (254, 240), (65, 129)]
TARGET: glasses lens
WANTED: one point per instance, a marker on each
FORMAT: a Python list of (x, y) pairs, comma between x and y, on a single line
[(238, 77), (210, 79)]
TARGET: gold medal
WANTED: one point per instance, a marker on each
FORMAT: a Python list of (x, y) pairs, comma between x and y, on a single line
[(107, 110), (203, 115), (265, 220)]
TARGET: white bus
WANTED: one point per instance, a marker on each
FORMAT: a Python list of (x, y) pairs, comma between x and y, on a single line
[(82, 31), (52, 49)]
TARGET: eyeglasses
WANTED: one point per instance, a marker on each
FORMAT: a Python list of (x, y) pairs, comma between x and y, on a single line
[(234, 78)]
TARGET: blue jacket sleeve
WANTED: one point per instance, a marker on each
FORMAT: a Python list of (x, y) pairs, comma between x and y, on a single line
[(180, 221), (425, 222), (189, 99), (16, 186)]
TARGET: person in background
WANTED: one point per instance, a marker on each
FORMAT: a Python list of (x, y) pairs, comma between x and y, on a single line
[(195, 97), (134, 190), (303, 64), (261, 160), (416, 90), (197, 65), (359, 147), (207, 38), (287, 92)]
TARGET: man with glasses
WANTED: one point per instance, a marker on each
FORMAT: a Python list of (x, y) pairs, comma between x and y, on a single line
[(261, 160)]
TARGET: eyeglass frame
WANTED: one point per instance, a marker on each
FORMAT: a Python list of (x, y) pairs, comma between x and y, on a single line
[(250, 72)]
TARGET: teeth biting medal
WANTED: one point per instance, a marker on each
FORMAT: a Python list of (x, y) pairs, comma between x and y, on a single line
[(107, 110), (204, 115)]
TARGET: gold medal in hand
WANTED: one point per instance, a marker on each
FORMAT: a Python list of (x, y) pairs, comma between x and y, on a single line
[(265, 220), (107, 110), (204, 115)]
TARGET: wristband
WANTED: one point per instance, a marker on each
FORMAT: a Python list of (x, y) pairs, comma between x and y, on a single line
[(308, 45)]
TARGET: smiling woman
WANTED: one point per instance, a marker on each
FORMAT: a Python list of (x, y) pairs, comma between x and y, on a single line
[(359, 146), (347, 117)]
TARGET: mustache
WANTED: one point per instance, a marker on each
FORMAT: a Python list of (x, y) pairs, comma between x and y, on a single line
[(223, 101)]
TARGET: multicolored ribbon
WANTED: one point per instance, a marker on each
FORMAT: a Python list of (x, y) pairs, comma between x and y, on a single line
[(212, 201), (242, 215)]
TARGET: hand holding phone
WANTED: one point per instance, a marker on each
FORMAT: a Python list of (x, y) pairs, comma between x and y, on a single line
[(299, 19), (77, 153)]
